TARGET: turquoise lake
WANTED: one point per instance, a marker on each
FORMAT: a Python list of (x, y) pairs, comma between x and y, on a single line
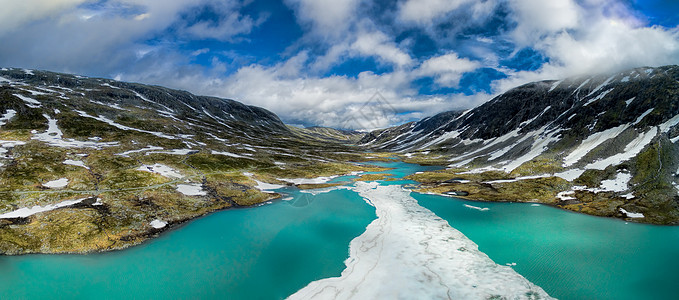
[(271, 251)]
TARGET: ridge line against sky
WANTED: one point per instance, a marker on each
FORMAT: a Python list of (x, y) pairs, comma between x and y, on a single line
[(317, 62)]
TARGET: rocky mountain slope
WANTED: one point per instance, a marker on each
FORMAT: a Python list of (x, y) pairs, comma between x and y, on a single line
[(92, 164), (604, 145)]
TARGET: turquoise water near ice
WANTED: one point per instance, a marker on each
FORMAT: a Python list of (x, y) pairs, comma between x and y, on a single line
[(271, 251)]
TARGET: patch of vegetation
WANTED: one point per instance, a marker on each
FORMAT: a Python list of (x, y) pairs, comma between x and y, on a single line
[(372, 177), (543, 164), (542, 190), (318, 185)]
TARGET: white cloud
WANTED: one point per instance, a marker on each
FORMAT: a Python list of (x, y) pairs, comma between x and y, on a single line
[(200, 51), (110, 40), (230, 23), (335, 101), (16, 13), (446, 69), (380, 45), (602, 37), (610, 45), (424, 11), (575, 37), (328, 17), (538, 17)]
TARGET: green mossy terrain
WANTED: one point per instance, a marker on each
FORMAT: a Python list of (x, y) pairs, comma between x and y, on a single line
[(115, 128)]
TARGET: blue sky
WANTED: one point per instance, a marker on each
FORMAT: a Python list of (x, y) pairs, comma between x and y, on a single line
[(318, 62)]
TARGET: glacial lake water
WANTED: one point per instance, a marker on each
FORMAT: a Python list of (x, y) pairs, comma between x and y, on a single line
[(271, 251)]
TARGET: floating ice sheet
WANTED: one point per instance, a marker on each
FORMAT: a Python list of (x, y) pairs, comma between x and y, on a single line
[(409, 252)]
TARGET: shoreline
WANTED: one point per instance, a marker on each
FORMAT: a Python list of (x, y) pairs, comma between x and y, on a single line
[(441, 261), (548, 205)]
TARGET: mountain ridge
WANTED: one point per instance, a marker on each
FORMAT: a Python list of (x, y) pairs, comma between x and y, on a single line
[(586, 130), (91, 164)]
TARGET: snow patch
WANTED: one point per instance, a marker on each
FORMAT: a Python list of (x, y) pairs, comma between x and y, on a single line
[(317, 180), (158, 224), (564, 196), (53, 136), (518, 178), (600, 86), (570, 175), (193, 189), (631, 150), (56, 184), (123, 127), (554, 85), (592, 142), (175, 152), (76, 163), (631, 214), (642, 116), (26, 211), (618, 184), (161, 169), (539, 145), (30, 102), (228, 154), (148, 148), (9, 114), (599, 97)]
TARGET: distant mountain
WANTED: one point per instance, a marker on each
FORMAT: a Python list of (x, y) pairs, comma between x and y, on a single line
[(619, 129), (329, 134), (90, 164)]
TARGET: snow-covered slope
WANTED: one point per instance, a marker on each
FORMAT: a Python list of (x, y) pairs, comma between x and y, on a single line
[(583, 129)]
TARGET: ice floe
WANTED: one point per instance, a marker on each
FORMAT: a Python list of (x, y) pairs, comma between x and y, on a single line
[(409, 252), (192, 189), (476, 207), (29, 211), (56, 184), (161, 169)]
